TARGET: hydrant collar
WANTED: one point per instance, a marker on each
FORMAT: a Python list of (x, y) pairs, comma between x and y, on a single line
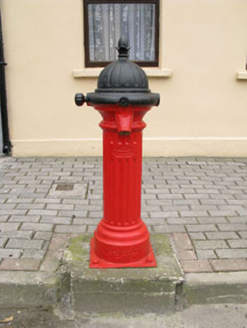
[(133, 98)]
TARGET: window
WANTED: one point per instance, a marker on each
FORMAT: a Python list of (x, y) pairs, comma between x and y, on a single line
[(106, 21)]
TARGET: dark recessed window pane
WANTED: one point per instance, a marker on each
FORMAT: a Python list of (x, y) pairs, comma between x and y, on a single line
[(106, 22)]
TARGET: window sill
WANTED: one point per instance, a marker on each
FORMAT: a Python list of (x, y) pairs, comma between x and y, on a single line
[(94, 72), (242, 75)]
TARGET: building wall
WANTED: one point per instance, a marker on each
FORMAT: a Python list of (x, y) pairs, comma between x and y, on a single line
[(203, 108)]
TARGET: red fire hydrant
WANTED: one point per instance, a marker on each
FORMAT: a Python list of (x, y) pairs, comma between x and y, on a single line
[(122, 98)]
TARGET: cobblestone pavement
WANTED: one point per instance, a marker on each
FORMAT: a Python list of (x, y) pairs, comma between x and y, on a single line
[(202, 203)]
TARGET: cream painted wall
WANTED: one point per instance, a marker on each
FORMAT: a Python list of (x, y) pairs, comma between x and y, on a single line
[(203, 108)]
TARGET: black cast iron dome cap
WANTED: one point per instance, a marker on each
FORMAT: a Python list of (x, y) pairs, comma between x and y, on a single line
[(123, 82)]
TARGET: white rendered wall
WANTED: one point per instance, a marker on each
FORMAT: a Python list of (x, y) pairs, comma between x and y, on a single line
[(203, 110)]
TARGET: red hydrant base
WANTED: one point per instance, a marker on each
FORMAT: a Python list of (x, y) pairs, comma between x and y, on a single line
[(96, 262)]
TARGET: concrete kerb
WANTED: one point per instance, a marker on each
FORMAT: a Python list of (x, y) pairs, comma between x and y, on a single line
[(131, 291), (216, 288), (28, 289)]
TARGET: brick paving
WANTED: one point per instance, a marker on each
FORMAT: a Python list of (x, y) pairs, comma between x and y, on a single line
[(201, 203)]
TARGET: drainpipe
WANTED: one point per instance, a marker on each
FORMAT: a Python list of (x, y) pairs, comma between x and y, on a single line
[(3, 99)]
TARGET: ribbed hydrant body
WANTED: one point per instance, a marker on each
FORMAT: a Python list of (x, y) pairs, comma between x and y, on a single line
[(122, 98)]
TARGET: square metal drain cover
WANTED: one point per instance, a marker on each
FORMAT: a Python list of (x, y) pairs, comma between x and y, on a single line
[(64, 187), (68, 190)]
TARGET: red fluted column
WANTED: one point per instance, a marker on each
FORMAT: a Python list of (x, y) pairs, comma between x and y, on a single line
[(121, 238), (122, 178)]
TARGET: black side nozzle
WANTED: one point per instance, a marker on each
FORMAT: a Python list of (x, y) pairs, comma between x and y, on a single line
[(79, 99)]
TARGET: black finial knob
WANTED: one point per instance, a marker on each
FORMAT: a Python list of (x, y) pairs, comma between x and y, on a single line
[(123, 47), (79, 99)]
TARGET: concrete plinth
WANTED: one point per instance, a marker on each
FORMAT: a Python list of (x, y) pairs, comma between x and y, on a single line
[(125, 290)]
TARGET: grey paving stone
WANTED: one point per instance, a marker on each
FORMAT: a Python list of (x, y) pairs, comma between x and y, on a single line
[(48, 200), (29, 194), (20, 200), (24, 244), (158, 202), (95, 214), (164, 214), (16, 234), (196, 196), (13, 212), (3, 242), (43, 212), (149, 196), (10, 253), (193, 213), (30, 206), (21, 218), (182, 191), (37, 254), (4, 218), (169, 228), (203, 207), (154, 222), (210, 219), (201, 228), (66, 207), (9, 226), (70, 228), (96, 202), (220, 196), (232, 227), (170, 196), (186, 202), (242, 212), (37, 226), (197, 235), (99, 196), (182, 220), (237, 219), (243, 234), (73, 214), (241, 243), (177, 208), (213, 202), (236, 202), (207, 191), (88, 207), (222, 213), (56, 220), (206, 254), (20, 264), (156, 191), (7, 206), (232, 253), (86, 221), (75, 201), (42, 235), (222, 235), (210, 244)]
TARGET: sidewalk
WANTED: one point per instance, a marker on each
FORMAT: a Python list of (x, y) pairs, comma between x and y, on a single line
[(202, 203)]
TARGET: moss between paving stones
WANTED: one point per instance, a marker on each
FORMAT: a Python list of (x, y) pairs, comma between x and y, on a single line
[(76, 250)]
